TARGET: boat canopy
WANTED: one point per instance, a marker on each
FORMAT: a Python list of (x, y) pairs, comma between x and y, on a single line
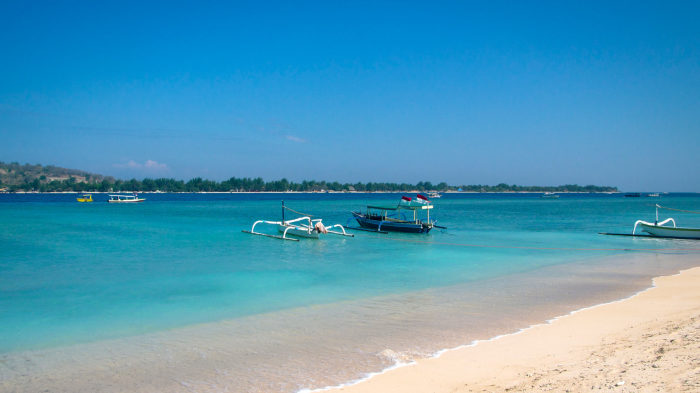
[(123, 196)]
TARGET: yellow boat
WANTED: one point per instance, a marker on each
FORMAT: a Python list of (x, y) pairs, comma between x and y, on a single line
[(85, 198)]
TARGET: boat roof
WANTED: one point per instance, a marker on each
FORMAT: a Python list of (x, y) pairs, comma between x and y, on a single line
[(122, 195), (397, 207)]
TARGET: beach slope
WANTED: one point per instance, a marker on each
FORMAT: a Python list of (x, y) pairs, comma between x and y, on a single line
[(648, 342)]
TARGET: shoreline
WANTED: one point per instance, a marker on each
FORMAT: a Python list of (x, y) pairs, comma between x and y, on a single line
[(452, 369), (311, 192), (199, 356)]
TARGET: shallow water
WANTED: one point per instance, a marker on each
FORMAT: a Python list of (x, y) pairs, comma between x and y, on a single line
[(171, 295)]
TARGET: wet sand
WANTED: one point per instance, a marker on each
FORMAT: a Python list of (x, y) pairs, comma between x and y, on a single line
[(646, 343), (326, 345)]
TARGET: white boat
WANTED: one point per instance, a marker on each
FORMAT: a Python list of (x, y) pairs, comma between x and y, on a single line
[(660, 229), (676, 232), (434, 194), (299, 227), (550, 195), (119, 198)]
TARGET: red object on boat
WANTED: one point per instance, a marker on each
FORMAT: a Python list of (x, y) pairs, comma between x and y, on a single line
[(422, 197), (405, 198)]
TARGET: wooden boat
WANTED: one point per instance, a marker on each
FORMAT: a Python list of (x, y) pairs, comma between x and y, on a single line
[(299, 227), (118, 198), (659, 229), (395, 219), (633, 195), (85, 198)]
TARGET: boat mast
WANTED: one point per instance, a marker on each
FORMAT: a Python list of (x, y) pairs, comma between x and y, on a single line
[(657, 214), (282, 212)]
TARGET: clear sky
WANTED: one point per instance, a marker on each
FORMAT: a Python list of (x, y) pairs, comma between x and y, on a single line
[(530, 93)]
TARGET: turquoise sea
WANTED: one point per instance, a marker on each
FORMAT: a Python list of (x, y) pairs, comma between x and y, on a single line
[(174, 278)]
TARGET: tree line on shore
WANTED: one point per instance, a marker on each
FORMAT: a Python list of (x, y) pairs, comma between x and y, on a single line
[(36, 178), (258, 185)]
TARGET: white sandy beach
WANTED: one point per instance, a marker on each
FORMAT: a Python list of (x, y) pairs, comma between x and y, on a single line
[(647, 343)]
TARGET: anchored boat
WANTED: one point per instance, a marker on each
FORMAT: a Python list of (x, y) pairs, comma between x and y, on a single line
[(85, 198), (118, 198), (549, 195), (659, 229), (305, 227), (403, 217)]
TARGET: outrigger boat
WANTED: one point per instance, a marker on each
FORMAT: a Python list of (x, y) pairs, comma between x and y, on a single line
[(394, 218), (118, 198), (299, 227), (661, 230)]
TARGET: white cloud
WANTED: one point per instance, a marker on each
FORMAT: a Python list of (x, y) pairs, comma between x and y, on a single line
[(149, 165), (295, 139)]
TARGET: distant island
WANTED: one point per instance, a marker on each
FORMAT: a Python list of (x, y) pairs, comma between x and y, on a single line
[(37, 178)]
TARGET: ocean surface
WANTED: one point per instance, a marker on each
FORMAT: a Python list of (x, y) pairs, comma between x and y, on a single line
[(170, 295)]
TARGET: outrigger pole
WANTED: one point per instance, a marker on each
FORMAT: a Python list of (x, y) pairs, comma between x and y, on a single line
[(274, 236), (649, 236)]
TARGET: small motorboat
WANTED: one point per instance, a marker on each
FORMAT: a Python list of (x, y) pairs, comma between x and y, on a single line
[(119, 198), (395, 219), (299, 227), (85, 198)]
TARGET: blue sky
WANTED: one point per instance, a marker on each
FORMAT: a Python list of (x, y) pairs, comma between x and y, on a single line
[(531, 93)]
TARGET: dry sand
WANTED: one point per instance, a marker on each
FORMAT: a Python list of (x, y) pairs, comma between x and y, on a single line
[(647, 343)]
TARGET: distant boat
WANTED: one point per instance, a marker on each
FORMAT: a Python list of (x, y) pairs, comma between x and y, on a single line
[(550, 195), (653, 195), (118, 198), (633, 195), (85, 198), (434, 194)]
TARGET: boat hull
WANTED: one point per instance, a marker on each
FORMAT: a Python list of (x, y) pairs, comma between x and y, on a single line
[(661, 231), (127, 201), (391, 226), (297, 231)]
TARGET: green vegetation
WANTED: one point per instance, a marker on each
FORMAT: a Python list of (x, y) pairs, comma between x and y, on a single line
[(15, 177), (28, 177)]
